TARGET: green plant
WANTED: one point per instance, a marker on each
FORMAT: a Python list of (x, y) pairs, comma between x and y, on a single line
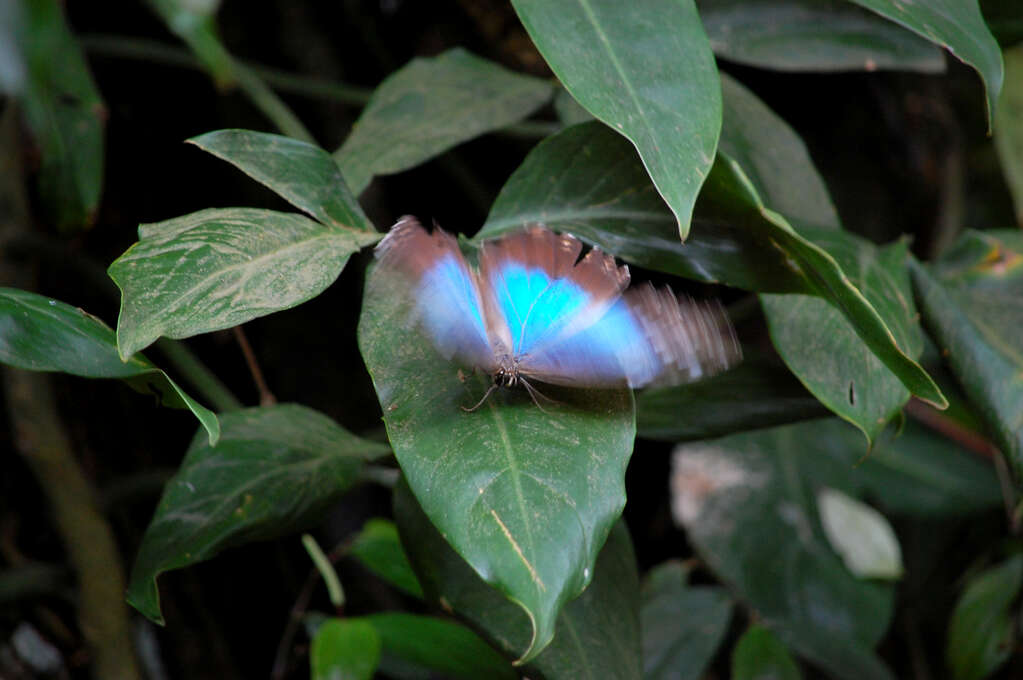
[(505, 545)]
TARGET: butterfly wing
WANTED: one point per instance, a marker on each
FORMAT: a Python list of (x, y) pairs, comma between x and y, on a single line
[(647, 337), (441, 288), (535, 282)]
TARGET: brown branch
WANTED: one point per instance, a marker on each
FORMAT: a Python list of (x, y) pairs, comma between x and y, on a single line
[(266, 397)]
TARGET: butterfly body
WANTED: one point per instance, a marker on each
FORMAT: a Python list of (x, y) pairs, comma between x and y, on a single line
[(535, 310)]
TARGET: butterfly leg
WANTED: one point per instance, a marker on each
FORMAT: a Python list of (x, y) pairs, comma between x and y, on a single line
[(534, 393), (480, 402)]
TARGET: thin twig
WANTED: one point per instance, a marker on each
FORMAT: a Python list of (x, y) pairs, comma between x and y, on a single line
[(298, 609), (266, 397)]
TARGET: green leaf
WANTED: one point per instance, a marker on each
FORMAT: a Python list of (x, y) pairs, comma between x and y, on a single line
[(861, 535), (220, 267), (956, 25), (275, 469), (13, 72), (526, 496), (923, 474), (423, 647), (345, 649), (759, 655), (836, 366), (981, 632), (597, 633), (66, 115), (813, 35), (303, 174), (41, 334), (431, 105), (972, 303), (379, 549), (683, 626), (1009, 127), (773, 157), (759, 392), (648, 74), (748, 500), (585, 181)]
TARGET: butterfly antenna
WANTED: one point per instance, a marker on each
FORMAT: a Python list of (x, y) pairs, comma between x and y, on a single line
[(534, 393), (480, 402)]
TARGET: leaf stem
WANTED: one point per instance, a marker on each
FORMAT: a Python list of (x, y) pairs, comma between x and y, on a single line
[(266, 397)]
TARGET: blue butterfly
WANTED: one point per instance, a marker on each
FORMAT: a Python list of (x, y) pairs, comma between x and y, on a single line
[(535, 311)]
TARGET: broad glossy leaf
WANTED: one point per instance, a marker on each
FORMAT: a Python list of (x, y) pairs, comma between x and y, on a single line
[(760, 655), (682, 625), (424, 647), (586, 181), (824, 350), (274, 469), (747, 503), (41, 334), (922, 474), (773, 157), (981, 633), (345, 649), (972, 302), (956, 25), (649, 74), (379, 549), (813, 35), (1009, 127), (861, 535), (220, 267), (597, 633), (759, 392), (526, 496), (431, 105), (303, 174), (66, 114)]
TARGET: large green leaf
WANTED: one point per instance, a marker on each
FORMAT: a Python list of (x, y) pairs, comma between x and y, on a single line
[(813, 35), (431, 105), (41, 334), (597, 633), (303, 174), (861, 535), (747, 503), (759, 392), (981, 633), (773, 157), (922, 474), (586, 181), (760, 655), (526, 496), (220, 267), (682, 625), (274, 469), (66, 115), (379, 549), (824, 350), (972, 302), (956, 25), (345, 649), (1009, 127), (424, 647), (648, 73)]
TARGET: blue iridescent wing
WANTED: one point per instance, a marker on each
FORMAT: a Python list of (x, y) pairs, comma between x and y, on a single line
[(535, 282), (646, 337), (441, 289)]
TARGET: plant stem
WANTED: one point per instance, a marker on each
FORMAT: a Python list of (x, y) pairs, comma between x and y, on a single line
[(202, 378), (266, 397)]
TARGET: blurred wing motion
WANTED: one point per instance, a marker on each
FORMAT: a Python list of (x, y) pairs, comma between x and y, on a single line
[(538, 311), (445, 294)]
